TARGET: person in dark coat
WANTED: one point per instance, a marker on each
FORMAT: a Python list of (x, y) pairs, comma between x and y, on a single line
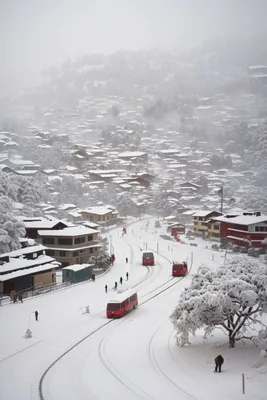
[(219, 360), (36, 315), (126, 259), (106, 288), (127, 276), (93, 277), (121, 280), (20, 297), (116, 285)]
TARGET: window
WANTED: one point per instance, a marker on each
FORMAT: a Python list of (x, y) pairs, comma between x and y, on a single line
[(215, 235), (79, 260), (90, 237), (99, 218), (65, 241), (75, 254), (91, 250), (113, 307), (79, 240), (62, 254), (81, 251), (48, 240), (259, 229), (50, 253), (216, 227)]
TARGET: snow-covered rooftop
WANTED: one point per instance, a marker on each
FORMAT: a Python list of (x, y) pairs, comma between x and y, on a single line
[(21, 263), (66, 232), (25, 250), (78, 267), (97, 210), (28, 271), (243, 219), (131, 154)]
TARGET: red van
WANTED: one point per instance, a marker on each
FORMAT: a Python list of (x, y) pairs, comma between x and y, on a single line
[(179, 269)]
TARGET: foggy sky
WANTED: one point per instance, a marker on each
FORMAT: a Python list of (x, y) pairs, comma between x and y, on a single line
[(36, 34)]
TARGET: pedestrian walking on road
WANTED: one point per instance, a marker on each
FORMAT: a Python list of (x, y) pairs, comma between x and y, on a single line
[(219, 360), (116, 285), (106, 288), (121, 280), (36, 315), (126, 259), (127, 276)]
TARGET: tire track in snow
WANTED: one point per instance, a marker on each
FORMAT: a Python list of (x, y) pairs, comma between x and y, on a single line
[(176, 361), (136, 390), (159, 370)]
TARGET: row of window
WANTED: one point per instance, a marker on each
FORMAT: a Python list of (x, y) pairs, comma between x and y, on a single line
[(67, 241), (57, 253)]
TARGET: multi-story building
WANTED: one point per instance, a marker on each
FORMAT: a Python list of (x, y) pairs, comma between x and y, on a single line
[(201, 221), (72, 245), (99, 215), (246, 230), (33, 224)]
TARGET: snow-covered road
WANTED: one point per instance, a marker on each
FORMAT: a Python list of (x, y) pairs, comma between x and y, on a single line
[(131, 358)]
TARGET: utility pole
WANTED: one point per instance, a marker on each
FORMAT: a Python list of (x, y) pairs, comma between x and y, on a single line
[(220, 192)]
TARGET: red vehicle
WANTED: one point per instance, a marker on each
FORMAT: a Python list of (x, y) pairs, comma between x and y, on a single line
[(122, 304), (148, 258), (179, 269)]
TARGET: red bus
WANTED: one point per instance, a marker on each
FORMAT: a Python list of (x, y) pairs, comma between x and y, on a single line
[(148, 258), (179, 269), (122, 303)]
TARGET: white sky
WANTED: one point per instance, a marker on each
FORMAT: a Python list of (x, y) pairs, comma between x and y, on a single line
[(36, 34)]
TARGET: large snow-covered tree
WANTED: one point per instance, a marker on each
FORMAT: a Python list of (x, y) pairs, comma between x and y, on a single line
[(10, 228), (232, 298)]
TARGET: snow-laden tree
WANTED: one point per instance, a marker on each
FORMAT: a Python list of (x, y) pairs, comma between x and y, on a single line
[(232, 298), (10, 228), (102, 259), (125, 205)]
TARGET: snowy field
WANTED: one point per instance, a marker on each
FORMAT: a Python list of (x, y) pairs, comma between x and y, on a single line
[(131, 358)]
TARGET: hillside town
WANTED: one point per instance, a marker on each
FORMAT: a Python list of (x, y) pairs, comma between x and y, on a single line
[(196, 162)]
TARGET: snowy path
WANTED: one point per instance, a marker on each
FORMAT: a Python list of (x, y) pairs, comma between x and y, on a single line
[(131, 358)]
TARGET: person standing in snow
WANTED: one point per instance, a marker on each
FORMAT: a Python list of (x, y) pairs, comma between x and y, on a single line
[(106, 288), (116, 285), (121, 280), (20, 297), (126, 259), (219, 360), (36, 315), (127, 276)]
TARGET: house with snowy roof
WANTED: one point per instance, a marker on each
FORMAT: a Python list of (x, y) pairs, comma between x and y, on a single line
[(244, 230), (22, 274), (99, 215), (71, 245), (201, 220), (33, 224)]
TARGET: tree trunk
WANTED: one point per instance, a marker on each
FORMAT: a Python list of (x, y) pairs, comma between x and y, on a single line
[(231, 341)]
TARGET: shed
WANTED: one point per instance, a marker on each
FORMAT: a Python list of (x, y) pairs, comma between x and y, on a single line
[(77, 273), (177, 229)]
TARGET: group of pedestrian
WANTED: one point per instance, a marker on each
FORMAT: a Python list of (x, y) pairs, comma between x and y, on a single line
[(116, 283), (15, 297)]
